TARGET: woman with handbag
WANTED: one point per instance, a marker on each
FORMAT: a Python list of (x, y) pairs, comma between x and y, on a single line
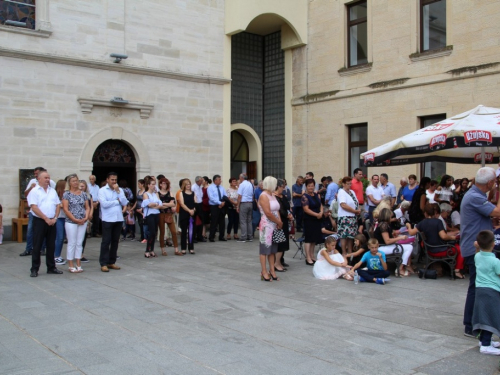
[(167, 216), (313, 216), (270, 226)]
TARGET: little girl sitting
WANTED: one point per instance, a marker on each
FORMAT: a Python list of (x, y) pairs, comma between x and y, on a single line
[(330, 264), (360, 248)]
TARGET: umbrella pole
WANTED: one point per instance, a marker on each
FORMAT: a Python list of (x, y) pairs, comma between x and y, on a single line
[(483, 156)]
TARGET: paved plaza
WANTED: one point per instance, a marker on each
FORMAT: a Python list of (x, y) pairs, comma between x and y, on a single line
[(209, 313)]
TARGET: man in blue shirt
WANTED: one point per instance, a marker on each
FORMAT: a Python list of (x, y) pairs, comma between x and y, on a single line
[(216, 194), (475, 212), (298, 211), (388, 188), (331, 193)]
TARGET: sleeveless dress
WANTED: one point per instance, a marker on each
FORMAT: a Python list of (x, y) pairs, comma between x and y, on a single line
[(189, 202), (325, 271), (312, 225), (266, 228)]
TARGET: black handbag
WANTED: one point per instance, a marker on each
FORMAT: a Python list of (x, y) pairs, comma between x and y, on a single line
[(430, 274), (278, 236)]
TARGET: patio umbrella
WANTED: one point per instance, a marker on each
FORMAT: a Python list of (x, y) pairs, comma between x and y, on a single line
[(468, 138)]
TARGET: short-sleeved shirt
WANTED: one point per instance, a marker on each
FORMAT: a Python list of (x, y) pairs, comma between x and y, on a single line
[(487, 270), (357, 187), (376, 192), (373, 261), (76, 205), (345, 197), (389, 190), (246, 191), (474, 216), (431, 228), (331, 191), (296, 189), (408, 193), (46, 201)]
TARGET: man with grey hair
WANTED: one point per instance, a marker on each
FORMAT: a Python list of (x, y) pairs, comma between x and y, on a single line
[(244, 208), (476, 212), (403, 182), (198, 199)]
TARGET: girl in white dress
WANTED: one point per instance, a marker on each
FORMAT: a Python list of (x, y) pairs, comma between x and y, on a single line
[(330, 264)]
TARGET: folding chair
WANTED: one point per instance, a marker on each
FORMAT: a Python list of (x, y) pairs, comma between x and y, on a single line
[(299, 242)]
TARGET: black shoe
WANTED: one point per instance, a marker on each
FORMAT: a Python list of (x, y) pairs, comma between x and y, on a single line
[(55, 271), (25, 254), (195, 241), (34, 274), (211, 240), (84, 260), (285, 264), (202, 240), (309, 264), (222, 239)]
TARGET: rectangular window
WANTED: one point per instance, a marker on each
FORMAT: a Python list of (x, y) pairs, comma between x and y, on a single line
[(433, 169), (20, 13), (432, 24), (357, 35), (358, 143)]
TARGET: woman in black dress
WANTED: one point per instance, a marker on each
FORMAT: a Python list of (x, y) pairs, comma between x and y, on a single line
[(285, 216), (313, 215), (186, 216)]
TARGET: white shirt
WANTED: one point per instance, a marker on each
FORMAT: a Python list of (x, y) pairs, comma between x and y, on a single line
[(376, 192), (455, 218), (344, 197), (246, 191), (35, 181), (430, 196), (94, 191), (198, 193), (46, 201), (402, 218), (443, 221), (111, 204)]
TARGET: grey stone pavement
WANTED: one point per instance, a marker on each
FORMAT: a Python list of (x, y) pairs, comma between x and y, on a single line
[(209, 313)]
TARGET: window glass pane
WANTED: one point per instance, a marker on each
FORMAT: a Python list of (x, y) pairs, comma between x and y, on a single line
[(358, 44), (359, 133), (358, 11), (434, 25), (19, 11), (356, 162)]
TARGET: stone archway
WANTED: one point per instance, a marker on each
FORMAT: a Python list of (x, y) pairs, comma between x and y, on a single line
[(254, 145), (143, 164)]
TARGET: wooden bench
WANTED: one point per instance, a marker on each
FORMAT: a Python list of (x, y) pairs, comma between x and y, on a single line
[(19, 222)]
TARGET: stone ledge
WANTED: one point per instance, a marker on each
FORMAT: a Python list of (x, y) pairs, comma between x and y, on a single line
[(42, 33), (419, 56), (87, 104), (95, 64), (343, 72)]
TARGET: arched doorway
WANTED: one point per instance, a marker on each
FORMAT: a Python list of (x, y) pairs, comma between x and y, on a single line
[(240, 156), (115, 156)]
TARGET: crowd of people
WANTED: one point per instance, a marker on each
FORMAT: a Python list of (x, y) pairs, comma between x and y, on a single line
[(357, 226)]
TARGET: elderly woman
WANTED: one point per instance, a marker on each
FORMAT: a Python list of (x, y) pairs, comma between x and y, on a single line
[(410, 189), (402, 213), (285, 217), (387, 239), (347, 227), (313, 216), (269, 221)]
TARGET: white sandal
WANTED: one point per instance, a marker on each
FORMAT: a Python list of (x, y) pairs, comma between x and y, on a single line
[(79, 269), (72, 270), (347, 277)]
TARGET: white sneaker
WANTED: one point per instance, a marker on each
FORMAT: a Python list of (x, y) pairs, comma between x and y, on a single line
[(489, 350), (60, 261), (495, 344)]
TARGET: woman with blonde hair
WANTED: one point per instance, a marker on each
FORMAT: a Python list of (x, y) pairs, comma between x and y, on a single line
[(167, 216), (269, 221)]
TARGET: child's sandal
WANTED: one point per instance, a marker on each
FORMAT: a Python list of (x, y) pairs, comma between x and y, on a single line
[(72, 270)]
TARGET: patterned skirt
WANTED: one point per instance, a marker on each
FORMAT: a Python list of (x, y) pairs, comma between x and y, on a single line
[(347, 227)]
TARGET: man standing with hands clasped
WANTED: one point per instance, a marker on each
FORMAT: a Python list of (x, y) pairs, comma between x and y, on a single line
[(111, 199), (45, 206), (216, 201)]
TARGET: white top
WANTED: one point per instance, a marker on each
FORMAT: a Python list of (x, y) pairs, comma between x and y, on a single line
[(443, 221), (198, 192), (402, 218), (246, 191), (46, 201), (344, 197), (35, 181), (152, 198), (376, 192), (94, 191), (445, 193), (111, 204), (430, 196), (455, 218)]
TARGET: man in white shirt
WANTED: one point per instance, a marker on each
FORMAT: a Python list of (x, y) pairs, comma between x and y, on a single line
[(374, 193), (244, 208), (45, 205), (198, 200), (216, 193), (388, 188), (94, 192), (29, 233), (111, 199)]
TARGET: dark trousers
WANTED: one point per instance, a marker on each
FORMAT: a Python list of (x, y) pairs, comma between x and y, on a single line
[(199, 214), (95, 222), (370, 212), (217, 218), (471, 293), (369, 275), (298, 213), (139, 219), (485, 338), (185, 240), (152, 221), (109, 243), (233, 219), (43, 232)]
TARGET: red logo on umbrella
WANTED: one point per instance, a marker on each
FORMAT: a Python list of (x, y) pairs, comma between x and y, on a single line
[(488, 157), (437, 142), (369, 158), (477, 136), (437, 127)]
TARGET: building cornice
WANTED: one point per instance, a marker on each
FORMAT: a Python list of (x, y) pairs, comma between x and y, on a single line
[(101, 65)]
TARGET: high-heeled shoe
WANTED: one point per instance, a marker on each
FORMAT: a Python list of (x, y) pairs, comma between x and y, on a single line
[(264, 279), (309, 264), (275, 278)]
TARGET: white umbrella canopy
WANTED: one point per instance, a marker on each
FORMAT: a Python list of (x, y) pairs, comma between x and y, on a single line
[(468, 138)]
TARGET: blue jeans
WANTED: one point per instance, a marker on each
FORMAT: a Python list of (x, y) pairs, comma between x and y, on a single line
[(471, 293), (29, 234), (60, 232)]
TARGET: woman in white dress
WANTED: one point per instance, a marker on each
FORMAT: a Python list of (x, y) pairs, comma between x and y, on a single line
[(330, 264)]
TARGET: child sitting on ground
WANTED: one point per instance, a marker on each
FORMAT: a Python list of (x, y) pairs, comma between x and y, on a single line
[(359, 249), (486, 319), (375, 261), (330, 264)]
